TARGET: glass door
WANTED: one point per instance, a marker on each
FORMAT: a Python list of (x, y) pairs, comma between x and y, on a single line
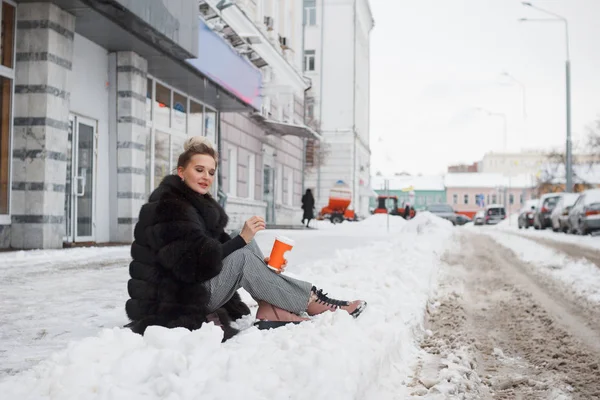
[(269, 193), (80, 183)]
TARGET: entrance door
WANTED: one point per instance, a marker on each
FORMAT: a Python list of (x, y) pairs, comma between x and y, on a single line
[(269, 193), (81, 178)]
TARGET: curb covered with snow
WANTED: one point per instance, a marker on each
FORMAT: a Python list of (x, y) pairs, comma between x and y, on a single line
[(333, 356)]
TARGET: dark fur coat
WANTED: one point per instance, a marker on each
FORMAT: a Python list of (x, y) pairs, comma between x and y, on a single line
[(176, 248)]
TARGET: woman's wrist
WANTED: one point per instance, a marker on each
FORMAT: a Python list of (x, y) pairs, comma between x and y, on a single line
[(245, 238)]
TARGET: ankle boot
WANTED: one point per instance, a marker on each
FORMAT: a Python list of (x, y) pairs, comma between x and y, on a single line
[(320, 302)]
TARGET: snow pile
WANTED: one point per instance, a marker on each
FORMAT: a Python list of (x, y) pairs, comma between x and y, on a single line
[(425, 223), (512, 222), (580, 275), (381, 220), (333, 356)]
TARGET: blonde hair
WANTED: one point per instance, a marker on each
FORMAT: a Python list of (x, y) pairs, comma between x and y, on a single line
[(197, 145)]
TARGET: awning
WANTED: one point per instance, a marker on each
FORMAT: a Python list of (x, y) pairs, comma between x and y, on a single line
[(285, 129), (117, 29)]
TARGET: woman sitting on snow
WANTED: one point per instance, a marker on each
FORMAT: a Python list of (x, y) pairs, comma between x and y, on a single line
[(186, 270)]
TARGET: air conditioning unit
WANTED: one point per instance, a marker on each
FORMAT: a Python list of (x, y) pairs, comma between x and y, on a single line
[(269, 23)]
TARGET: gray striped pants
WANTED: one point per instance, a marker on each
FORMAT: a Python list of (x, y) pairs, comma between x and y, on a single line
[(246, 268)]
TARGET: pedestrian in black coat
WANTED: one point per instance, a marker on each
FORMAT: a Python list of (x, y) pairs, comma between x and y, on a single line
[(308, 205)]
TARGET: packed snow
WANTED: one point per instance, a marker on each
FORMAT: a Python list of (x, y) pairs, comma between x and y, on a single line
[(582, 276), (333, 356)]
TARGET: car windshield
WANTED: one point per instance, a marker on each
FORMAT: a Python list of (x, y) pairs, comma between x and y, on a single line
[(496, 211), (480, 213), (440, 208), (550, 202)]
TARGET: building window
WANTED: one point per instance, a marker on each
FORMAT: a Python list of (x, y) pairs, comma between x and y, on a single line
[(511, 198), (310, 12), (454, 199), (466, 200), (279, 184), (7, 75), (171, 116), (310, 112), (290, 187), (494, 199), (232, 171), (251, 175), (309, 60), (521, 198)]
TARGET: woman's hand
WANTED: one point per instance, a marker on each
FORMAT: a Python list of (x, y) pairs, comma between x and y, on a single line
[(250, 228), (283, 266)]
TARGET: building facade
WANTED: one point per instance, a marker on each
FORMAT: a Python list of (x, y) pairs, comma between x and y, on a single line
[(468, 193), (98, 98), (336, 59), (526, 162), (418, 191), (464, 168), (263, 152)]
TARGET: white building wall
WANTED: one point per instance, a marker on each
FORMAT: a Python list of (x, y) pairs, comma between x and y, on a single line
[(337, 92), (89, 98), (282, 89), (341, 88)]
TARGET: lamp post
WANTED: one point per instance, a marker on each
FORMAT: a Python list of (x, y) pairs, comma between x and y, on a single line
[(523, 91), (569, 155), (504, 123)]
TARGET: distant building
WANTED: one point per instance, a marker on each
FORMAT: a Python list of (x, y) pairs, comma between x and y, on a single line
[(463, 190), (427, 189), (463, 168), (526, 162)]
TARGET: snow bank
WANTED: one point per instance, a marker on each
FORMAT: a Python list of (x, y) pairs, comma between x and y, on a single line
[(381, 220), (333, 356), (425, 223)]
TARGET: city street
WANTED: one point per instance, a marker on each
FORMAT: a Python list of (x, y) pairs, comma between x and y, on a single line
[(466, 312), (513, 318)]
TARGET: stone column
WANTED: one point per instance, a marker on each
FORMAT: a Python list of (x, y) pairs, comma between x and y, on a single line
[(133, 142), (44, 55)]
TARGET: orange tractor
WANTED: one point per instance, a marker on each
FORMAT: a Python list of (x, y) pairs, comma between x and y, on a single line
[(383, 204), (338, 208)]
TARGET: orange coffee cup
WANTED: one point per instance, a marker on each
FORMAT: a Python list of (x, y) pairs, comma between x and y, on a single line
[(278, 254)]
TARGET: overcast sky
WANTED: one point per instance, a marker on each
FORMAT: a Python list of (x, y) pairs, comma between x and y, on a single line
[(433, 62)]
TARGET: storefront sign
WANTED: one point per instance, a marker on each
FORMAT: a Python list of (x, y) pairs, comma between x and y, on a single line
[(223, 65)]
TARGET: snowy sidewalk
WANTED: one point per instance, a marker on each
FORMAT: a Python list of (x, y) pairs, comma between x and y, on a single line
[(332, 357)]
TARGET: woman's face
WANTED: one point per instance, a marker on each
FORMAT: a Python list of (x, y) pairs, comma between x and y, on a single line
[(199, 173)]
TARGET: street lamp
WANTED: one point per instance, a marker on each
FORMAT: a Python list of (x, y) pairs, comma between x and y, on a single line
[(558, 18), (523, 90), (504, 123)]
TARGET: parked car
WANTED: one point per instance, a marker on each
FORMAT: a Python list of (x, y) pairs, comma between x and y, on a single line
[(584, 216), (494, 213), (462, 219), (526, 214), (443, 211), (479, 217), (541, 218), (560, 214)]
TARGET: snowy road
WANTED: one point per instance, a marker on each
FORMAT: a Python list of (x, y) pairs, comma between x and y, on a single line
[(507, 323)]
